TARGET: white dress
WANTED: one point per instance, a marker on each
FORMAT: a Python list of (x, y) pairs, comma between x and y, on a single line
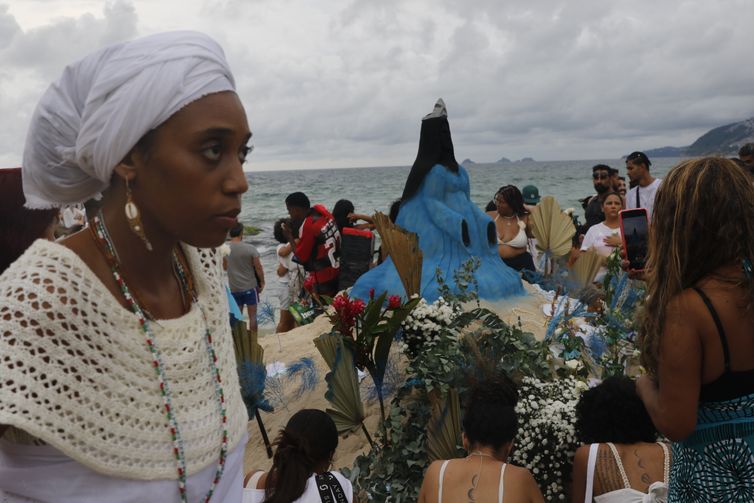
[(42, 473), (76, 374)]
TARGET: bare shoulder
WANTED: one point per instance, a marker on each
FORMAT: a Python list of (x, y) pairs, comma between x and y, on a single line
[(521, 478)]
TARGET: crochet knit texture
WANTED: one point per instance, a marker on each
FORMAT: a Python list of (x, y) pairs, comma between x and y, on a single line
[(75, 370)]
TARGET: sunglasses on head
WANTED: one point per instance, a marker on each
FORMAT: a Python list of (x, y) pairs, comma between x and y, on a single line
[(600, 176)]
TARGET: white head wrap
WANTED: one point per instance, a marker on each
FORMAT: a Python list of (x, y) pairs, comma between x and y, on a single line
[(88, 121)]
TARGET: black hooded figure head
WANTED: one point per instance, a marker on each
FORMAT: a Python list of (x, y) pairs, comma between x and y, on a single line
[(435, 147)]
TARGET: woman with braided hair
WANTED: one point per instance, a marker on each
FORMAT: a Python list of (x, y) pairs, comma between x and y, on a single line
[(697, 342), (299, 474)]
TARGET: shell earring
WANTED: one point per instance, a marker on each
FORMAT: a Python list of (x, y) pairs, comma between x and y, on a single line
[(134, 218)]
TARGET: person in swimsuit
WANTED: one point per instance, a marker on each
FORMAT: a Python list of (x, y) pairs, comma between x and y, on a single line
[(512, 224), (696, 334), (489, 428), (621, 461)]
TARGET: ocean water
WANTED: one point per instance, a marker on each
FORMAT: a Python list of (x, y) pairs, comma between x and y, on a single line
[(373, 189)]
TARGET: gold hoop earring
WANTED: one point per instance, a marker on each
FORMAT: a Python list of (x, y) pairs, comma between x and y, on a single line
[(134, 218)]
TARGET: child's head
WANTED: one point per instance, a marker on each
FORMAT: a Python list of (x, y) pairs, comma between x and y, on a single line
[(277, 229)]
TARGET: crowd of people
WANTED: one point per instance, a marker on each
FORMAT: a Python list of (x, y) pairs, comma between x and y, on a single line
[(117, 371)]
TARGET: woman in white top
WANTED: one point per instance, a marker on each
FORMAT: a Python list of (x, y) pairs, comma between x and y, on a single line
[(288, 275), (484, 476), (512, 225), (621, 462), (117, 372), (304, 453), (604, 237)]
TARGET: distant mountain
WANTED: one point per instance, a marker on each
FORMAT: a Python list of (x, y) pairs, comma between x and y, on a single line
[(526, 159), (666, 152), (466, 162), (503, 160), (725, 140)]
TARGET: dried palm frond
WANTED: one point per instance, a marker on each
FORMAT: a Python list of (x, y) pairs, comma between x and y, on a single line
[(342, 383), (444, 432), (553, 229), (403, 248), (586, 267)]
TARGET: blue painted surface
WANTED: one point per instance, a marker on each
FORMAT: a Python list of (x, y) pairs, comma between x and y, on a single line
[(435, 213)]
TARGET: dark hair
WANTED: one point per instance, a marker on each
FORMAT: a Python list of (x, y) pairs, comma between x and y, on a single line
[(236, 230), (19, 226), (611, 193), (601, 167), (746, 149), (277, 229), (513, 197), (298, 200), (639, 158), (612, 171), (395, 208), (308, 440), (490, 417), (622, 178), (491, 206), (613, 412), (340, 213)]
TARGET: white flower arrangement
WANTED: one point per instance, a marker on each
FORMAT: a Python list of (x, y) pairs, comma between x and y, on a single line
[(424, 326), (546, 440), (224, 249)]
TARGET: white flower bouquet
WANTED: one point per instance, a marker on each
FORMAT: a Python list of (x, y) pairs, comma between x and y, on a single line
[(422, 328), (546, 440)]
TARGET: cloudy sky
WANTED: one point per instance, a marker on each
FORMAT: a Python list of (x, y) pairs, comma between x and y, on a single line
[(334, 83)]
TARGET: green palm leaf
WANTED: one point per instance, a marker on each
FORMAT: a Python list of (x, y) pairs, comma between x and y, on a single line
[(342, 383)]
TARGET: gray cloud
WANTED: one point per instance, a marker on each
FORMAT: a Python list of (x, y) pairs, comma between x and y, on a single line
[(344, 82)]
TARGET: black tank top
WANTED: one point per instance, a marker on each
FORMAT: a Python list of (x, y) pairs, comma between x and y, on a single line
[(731, 384)]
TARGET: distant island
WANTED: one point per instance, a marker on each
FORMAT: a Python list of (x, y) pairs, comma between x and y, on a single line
[(467, 162), (724, 140)]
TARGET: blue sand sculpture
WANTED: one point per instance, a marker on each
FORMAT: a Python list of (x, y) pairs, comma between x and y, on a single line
[(437, 207)]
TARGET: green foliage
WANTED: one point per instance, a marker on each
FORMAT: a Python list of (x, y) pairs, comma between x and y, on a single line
[(250, 230), (472, 346)]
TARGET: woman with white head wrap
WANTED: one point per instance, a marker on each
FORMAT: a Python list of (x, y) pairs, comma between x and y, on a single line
[(117, 372)]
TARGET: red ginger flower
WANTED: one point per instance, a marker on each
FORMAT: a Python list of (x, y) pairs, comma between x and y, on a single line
[(394, 302)]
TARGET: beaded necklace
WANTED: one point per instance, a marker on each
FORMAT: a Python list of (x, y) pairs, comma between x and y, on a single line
[(99, 230)]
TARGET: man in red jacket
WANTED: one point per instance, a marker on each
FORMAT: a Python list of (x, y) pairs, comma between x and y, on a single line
[(318, 245)]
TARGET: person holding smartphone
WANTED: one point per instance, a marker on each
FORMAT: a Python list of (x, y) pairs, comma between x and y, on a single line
[(604, 237), (696, 332)]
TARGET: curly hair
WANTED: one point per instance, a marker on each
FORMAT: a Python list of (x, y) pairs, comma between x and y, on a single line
[(490, 418), (513, 198), (613, 412), (309, 439), (702, 220)]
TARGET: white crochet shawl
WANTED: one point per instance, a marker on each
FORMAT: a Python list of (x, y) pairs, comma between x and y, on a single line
[(75, 370)]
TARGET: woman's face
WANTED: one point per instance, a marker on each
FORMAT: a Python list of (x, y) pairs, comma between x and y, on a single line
[(612, 205), (502, 205), (188, 184)]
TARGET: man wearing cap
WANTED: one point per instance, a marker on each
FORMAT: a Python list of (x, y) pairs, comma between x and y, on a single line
[(643, 193), (531, 197)]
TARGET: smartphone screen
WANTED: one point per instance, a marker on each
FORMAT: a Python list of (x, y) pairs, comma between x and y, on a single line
[(635, 231)]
